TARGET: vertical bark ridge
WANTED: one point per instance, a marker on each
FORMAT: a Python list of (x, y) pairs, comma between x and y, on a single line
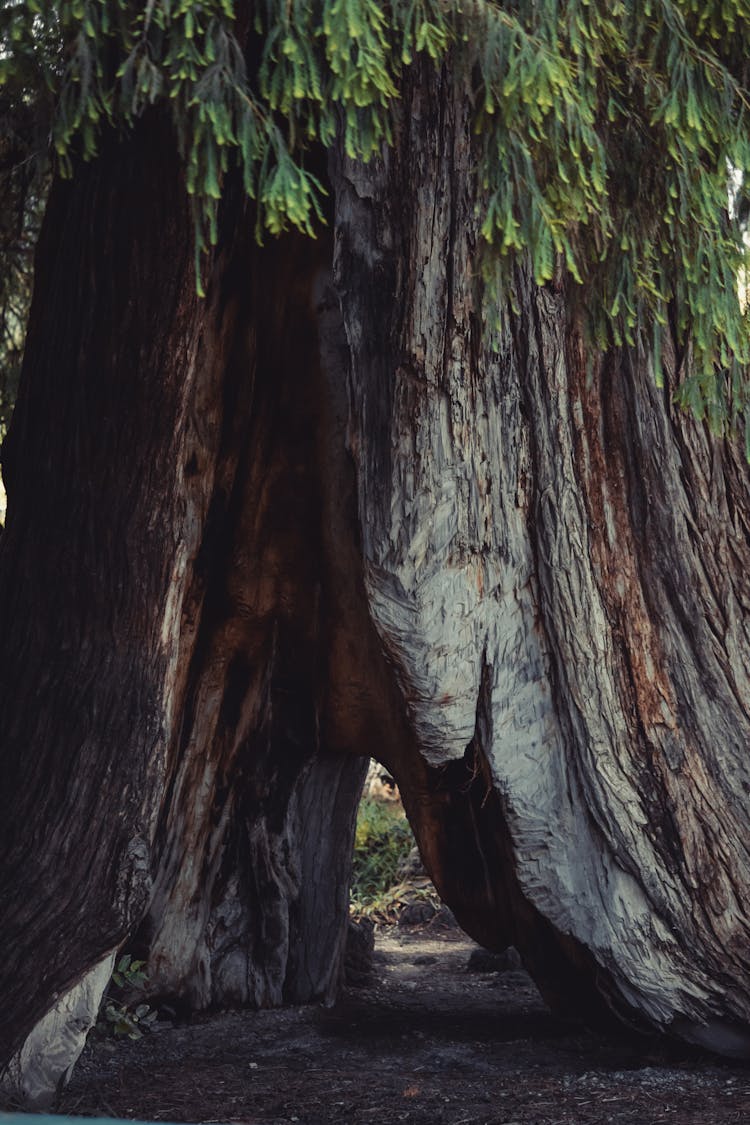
[(232, 918), (648, 708), (592, 544), (87, 638)]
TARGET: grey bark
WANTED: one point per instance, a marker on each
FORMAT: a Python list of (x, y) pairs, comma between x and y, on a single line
[(43, 1064), (557, 568)]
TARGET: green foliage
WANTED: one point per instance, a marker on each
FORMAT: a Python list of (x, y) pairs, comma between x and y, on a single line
[(606, 133), (386, 907), (129, 973), (633, 115), (26, 107), (382, 841), (120, 1015), (22, 192)]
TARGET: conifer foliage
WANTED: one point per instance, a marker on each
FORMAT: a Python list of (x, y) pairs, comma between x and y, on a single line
[(610, 136), (26, 105)]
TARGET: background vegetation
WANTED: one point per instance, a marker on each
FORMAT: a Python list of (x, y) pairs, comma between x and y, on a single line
[(27, 106), (382, 882), (382, 843)]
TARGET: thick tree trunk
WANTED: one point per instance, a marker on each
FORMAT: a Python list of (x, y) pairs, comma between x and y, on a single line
[(163, 618), (296, 523), (558, 569), (255, 837), (92, 570)]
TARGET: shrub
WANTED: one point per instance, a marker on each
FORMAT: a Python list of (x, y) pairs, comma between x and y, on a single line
[(120, 1013), (382, 841)]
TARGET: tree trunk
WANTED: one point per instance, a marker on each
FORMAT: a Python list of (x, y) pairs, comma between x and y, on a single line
[(92, 569), (557, 567), (328, 514), (163, 583), (255, 836)]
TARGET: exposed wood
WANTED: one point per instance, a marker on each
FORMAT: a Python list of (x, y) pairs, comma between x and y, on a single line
[(255, 837), (45, 1061)]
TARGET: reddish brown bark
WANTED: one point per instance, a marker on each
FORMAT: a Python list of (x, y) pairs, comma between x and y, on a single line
[(330, 513), (93, 465), (165, 603)]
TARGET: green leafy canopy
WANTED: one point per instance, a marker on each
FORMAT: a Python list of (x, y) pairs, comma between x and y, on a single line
[(608, 134)]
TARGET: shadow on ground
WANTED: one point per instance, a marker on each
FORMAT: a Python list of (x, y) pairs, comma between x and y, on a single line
[(425, 1042)]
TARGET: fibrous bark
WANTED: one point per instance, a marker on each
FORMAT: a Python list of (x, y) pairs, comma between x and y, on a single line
[(91, 569), (328, 514), (556, 564), (251, 892), (163, 674)]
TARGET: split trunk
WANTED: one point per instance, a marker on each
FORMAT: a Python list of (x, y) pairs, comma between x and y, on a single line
[(331, 513)]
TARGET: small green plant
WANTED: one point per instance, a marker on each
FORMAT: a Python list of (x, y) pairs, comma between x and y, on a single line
[(387, 908), (382, 842), (119, 1015), (130, 973)]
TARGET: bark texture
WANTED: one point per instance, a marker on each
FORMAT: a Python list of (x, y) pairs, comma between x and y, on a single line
[(42, 1066), (328, 514), (557, 568), (255, 836), (164, 576), (91, 568)]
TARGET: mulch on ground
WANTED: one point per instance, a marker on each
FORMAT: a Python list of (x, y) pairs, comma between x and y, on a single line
[(426, 1042)]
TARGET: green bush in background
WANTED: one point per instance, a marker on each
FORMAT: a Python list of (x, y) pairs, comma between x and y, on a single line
[(383, 840)]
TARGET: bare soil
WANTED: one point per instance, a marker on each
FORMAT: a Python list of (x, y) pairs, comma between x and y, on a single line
[(426, 1042)]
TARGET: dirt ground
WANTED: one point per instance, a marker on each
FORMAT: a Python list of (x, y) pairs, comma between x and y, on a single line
[(426, 1042)]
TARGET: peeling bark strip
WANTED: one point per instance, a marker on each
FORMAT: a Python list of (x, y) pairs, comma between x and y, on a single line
[(568, 559)]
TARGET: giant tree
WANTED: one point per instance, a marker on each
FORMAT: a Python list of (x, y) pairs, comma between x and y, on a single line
[(422, 487)]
